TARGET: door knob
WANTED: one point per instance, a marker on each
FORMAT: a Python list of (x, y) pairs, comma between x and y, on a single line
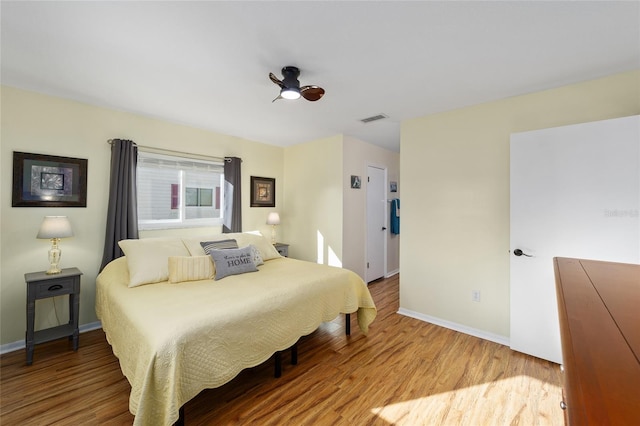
[(384, 228), (519, 252)]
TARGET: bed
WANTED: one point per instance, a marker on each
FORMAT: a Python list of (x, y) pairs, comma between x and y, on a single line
[(176, 338)]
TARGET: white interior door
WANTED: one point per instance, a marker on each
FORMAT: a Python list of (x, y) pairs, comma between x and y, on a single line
[(376, 223), (575, 192)]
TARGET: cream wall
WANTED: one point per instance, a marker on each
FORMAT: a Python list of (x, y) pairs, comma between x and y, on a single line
[(312, 218), (325, 219), (357, 156), (46, 125), (455, 206)]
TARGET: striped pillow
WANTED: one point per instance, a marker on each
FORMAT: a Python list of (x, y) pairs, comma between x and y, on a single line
[(218, 245), (190, 268)]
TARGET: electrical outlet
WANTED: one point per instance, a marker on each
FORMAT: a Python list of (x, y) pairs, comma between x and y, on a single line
[(475, 295)]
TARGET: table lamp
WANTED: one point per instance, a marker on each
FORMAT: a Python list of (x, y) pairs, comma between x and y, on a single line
[(54, 228), (273, 219)]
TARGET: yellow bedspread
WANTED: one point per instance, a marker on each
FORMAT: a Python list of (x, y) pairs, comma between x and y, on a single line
[(174, 340)]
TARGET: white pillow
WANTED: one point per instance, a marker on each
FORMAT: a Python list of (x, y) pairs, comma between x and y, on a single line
[(257, 256), (267, 250), (148, 258), (194, 247), (190, 268)]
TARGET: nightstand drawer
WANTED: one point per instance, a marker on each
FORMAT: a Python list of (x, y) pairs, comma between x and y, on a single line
[(55, 287), (282, 248)]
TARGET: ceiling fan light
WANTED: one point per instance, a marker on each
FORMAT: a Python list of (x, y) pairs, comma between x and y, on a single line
[(290, 93)]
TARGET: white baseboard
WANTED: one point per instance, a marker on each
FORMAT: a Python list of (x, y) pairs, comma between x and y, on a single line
[(10, 347), (496, 338), (392, 273), (16, 346), (90, 327)]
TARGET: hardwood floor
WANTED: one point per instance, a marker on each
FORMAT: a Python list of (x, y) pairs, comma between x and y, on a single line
[(406, 372)]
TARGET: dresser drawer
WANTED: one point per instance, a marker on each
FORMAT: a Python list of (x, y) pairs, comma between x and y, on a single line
[(56, 287)]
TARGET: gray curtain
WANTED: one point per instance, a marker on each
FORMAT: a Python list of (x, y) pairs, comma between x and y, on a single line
[(122, 213), (232, 221)]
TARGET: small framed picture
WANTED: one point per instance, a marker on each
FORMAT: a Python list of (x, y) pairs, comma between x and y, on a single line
[(48, 181), (263, 192), (355, 182), (393, 186)]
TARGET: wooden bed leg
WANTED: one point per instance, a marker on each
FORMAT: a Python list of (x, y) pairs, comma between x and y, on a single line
[(294, 354), (278, 371), (180, 421), (347, 325)]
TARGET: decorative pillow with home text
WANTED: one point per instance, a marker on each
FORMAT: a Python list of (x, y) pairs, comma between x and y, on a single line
[(233, 261)]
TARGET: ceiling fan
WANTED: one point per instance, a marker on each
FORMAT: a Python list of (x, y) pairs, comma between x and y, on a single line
[(290, 86)]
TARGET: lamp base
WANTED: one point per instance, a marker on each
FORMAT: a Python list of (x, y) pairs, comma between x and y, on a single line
[(54, 257)]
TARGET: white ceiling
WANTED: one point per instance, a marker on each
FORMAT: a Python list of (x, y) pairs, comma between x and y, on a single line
[(206, 64)]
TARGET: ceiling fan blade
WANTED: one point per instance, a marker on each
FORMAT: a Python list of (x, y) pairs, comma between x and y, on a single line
[(279, 97), (276, 81), (311, 93)]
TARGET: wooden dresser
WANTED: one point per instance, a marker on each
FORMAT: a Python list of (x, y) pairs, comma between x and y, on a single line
[(599, 309)]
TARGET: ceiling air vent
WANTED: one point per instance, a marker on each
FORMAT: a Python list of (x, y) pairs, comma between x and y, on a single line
[(374, 118)]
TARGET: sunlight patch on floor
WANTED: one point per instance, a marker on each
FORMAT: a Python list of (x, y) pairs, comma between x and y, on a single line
[(530, 401)]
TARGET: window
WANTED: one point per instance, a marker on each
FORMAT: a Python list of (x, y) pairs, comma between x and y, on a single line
[(177, 192)]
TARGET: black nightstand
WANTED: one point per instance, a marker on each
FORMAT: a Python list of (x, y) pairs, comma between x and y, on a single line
[(42, 286), (282, 248)]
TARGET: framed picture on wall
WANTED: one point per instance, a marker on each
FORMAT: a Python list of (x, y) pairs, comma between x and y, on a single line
[(48, 181), (263, 192)]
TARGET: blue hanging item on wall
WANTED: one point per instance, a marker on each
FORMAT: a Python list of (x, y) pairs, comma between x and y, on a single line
[(395, 216)]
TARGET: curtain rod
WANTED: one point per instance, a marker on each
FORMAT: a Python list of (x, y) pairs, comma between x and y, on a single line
[(174, 153)]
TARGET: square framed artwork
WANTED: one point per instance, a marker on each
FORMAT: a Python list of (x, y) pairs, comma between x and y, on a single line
[(263, 192), (48, 181)]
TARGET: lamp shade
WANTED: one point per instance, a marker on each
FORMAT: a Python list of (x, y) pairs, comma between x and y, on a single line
[(273, 218), (55, 227)]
